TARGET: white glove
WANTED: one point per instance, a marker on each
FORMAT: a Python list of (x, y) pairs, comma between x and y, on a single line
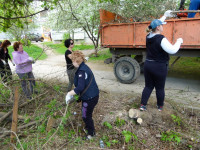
[(168, 13), (31, 59), (13, 63), (180, 40), (3, 61), (87, 58), (68, 98)]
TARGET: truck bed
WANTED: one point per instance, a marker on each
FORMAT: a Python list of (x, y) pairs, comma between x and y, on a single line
[(133, 35)]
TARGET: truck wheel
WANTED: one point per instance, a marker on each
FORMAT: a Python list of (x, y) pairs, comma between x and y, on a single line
[(126, 70)]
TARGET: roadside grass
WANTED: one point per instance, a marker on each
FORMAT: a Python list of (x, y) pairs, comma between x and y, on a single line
[(60, 48), (33, 51), (185, 67), (102, 55)]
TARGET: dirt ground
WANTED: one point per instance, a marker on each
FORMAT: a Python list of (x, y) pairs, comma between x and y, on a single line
[(183, 91)]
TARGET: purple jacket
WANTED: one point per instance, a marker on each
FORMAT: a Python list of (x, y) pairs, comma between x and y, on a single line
[(23, 64)]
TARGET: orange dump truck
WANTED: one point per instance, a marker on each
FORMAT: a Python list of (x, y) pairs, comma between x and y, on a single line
[(126, 39)]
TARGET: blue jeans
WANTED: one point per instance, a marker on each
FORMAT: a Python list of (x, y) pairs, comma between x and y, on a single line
[(24, 78)]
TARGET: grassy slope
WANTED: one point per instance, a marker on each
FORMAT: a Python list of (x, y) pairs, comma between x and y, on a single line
[(186, 67), (33, 51)]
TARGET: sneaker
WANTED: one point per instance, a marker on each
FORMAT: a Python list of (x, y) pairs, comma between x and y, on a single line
[(88, 137), (143, 108), (160, 108)]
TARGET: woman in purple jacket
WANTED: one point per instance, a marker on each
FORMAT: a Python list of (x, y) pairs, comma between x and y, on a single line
[(23, 68)]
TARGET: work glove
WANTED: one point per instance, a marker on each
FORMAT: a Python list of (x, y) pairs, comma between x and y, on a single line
[(68, 98), (180, 40), (168, 13), (31, 59), (87, 58), (12, 63)]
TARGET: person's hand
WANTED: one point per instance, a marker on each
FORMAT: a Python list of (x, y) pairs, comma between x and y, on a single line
[(31, 59), (87, 58), (12, 63), (168, 13), (68, 98), (180, 40)]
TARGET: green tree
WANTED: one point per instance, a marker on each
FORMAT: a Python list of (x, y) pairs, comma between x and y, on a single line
[(72, 14), (15, 12)]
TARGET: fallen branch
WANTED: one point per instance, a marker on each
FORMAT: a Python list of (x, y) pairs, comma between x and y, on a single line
[(29, 124), (22, 105), (9, 118), (6, 105), (7, 132)]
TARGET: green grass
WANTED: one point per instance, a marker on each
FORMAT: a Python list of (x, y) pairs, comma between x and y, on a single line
[(60, 48), (33, 51), (185, 67), (102, 55)]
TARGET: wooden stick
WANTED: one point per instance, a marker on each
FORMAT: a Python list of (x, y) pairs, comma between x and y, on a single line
[(186, 11), (15, 114), (9, 118)]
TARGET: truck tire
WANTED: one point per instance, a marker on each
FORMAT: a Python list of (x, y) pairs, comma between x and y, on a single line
[(126, 70)]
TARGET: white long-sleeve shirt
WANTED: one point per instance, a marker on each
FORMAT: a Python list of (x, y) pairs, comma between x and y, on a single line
[(165, 44)]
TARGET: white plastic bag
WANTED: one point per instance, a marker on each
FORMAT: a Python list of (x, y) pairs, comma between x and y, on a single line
[(68, 98)]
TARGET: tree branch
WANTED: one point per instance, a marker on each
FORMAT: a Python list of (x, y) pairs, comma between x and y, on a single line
[(24, 16)]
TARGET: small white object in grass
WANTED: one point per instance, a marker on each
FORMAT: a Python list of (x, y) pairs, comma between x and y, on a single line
[(139, 120), (133, 113), (75, 113)]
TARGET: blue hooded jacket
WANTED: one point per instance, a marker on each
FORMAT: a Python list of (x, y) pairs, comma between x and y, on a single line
[(85, 72)]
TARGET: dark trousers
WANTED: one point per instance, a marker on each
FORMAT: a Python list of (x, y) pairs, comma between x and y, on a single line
[(24, 77), (155, 76), (87, 110)]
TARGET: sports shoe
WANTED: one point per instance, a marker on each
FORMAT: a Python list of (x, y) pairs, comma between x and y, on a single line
[(160, 108), (143, 108), (88, 137)]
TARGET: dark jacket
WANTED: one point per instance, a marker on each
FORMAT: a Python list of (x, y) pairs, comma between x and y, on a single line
[(81, 80), (154, 49), (3, 55)]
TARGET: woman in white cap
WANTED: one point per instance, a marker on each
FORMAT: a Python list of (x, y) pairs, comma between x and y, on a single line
[(156, 64)]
